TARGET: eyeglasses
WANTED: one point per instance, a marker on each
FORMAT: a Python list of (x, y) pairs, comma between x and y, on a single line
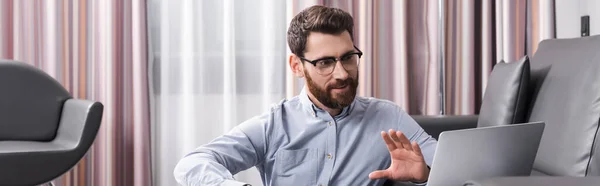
[(325, 66)]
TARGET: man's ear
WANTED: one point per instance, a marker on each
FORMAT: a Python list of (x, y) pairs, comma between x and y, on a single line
[(296, 66)]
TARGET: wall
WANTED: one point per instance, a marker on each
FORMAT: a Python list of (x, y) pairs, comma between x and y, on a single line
[(568, 17)]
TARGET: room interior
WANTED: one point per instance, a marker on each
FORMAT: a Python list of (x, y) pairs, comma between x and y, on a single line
[(115, 92)]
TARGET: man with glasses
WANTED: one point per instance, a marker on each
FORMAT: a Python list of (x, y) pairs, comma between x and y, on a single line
[(326, 135)]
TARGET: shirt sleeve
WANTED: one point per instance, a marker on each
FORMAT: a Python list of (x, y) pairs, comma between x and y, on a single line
[(216, 162)]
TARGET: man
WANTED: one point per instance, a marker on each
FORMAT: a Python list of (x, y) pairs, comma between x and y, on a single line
[(325, 135)]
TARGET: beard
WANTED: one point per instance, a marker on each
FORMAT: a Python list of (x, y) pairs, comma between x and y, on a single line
[(327, 98)]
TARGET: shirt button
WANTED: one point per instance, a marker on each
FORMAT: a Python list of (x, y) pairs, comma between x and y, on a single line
[(320, 184), (329, 123), (329, 156), (313, 114)]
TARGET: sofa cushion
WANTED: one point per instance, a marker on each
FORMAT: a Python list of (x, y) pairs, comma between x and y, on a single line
[(566, 93), (507, 95)]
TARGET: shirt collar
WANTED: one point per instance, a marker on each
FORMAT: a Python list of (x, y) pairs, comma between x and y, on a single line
[(315, 111)]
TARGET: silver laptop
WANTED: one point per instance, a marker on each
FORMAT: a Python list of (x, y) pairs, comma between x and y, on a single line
[(507, 150)]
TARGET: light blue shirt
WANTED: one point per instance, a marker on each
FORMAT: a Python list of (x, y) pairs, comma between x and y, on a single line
[(297, 143)]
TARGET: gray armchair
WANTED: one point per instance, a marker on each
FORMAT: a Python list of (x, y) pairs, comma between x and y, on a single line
[(44, 132)]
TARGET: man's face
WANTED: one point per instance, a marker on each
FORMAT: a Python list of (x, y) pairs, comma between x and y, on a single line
[(338, 89)]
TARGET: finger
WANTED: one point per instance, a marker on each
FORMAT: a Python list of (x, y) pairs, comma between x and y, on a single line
[(416, 148), (380, 174), (405, 142), (396, 139), (392, 132), (388, 141)]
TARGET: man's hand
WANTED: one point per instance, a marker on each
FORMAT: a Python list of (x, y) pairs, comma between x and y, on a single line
[(408, 163)]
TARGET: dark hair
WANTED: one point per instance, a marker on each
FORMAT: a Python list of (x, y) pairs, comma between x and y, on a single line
[(317, 19)]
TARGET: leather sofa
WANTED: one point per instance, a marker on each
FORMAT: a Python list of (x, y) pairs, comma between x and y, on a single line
[(563, 90)]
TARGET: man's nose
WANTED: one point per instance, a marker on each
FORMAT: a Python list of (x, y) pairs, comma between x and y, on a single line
[(339, 72)]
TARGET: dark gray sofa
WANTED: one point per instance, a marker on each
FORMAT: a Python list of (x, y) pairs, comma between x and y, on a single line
[(564, 92)]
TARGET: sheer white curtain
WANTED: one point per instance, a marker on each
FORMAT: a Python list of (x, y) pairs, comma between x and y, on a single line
[(213, 65)]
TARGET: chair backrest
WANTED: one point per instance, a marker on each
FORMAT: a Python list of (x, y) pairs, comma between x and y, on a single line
[(565, 86), (30, 103)]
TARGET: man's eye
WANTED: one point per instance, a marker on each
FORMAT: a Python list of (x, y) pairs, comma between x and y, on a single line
[(347, 57), (325, 62)]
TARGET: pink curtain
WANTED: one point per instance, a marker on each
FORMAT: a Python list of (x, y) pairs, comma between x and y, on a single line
[(97, 50)]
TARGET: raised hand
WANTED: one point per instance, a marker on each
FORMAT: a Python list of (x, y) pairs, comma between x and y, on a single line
[(407, 164)]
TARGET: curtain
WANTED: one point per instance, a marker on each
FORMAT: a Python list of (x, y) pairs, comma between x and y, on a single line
[(97, 50), (213, 65)]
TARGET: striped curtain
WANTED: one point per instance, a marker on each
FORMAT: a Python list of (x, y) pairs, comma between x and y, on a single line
[(97, 49)]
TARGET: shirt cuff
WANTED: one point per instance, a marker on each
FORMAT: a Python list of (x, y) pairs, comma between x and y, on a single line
[(234, 183), (424, 183)]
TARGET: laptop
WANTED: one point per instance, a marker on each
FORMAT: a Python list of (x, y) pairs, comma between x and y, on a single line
[(463, 155)]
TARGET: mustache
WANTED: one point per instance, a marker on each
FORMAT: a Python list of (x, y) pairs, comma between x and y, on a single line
[(341, 83)]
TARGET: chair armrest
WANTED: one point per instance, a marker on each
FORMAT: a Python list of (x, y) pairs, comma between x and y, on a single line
[(8, 147), (434, 125), (79, 124), (535, 181), (34, 163), (69, 134)]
